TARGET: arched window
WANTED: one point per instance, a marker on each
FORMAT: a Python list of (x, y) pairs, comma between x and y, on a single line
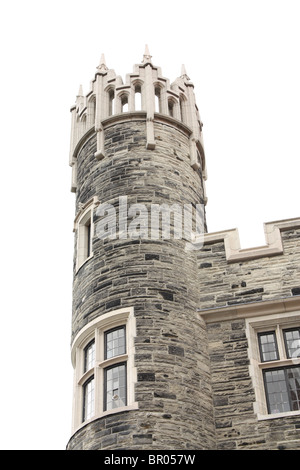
[(157, 100), (171, 108), (111, 102), (182, 103), (91, 112), (124, 103), (84, 227), (102, 355), (138, 97)]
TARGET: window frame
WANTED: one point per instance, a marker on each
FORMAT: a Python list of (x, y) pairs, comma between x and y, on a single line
[(90, 343), (285, 330), (84, 388), (105, 370), (264, 324), (284, 370), (260, 334), (96, 331), (111, 330), (84, 229)]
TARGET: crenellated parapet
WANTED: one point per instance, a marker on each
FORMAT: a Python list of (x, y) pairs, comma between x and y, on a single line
[(147, 94)]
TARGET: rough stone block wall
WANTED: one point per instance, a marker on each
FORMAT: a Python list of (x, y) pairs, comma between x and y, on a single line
[(237, 427), (222, 284), (156, 277)]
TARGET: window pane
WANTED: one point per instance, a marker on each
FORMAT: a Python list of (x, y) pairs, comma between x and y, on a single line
[(115, 387), (115, 343), (292, 342), (268, 346), (88, 238), (276, 391), (88, 399), (293, 377), (89, 356)]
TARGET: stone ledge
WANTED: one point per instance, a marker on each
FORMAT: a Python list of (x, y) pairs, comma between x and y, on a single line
[(246, 310)]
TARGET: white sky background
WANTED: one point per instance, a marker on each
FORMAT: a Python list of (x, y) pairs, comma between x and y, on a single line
[(243, 58)]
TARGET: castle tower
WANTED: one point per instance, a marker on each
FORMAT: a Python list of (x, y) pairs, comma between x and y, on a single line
[(139, 349)]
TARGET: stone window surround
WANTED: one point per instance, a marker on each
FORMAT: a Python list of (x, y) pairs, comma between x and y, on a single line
[(260, 316), (259, 324), (84, 215), (95, 330)]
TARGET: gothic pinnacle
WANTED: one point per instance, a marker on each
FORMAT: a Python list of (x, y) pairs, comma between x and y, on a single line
[(183, 73), (80, 91), (102, 66), (147, 57)]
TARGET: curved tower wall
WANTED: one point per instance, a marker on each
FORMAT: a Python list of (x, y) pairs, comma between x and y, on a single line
[(135, 161)]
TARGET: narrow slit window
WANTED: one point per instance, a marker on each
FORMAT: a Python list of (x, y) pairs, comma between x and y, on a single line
[(138, 98), (111, 96), (157, 100), (88, 238), (124, 104), (84, 242), (171, 108)]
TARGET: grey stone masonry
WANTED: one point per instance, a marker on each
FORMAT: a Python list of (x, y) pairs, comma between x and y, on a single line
[(225, 287), (195, 377), (224, 284), (156, 277)]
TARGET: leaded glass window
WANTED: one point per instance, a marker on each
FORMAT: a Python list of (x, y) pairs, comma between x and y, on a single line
[(282, 389), (89, 356), (268, 346), (292, 342), (115, 387), (88, 399), (115, 342)]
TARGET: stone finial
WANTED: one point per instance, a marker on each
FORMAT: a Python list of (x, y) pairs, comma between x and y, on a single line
[(183, 73), (102, 66), (80, 91), (147, 57)]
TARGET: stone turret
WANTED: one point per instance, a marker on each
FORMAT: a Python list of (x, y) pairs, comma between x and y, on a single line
[(139, 348), (145, 91)]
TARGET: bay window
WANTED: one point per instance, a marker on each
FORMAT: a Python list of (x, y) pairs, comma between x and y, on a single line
[(103, 359)]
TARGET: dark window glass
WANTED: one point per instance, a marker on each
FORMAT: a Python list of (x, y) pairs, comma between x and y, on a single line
[(115, 342), (282, 389), (89, 356), (171, 108), (88, 399), (293, 377), (292, 342), (268, 346), (88, 239), (115, 387)]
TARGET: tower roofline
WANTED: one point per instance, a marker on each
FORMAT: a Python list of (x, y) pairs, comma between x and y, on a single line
[(109, 95)]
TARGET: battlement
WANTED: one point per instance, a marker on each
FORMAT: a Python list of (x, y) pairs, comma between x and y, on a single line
[(273, 236), (145, 90)]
